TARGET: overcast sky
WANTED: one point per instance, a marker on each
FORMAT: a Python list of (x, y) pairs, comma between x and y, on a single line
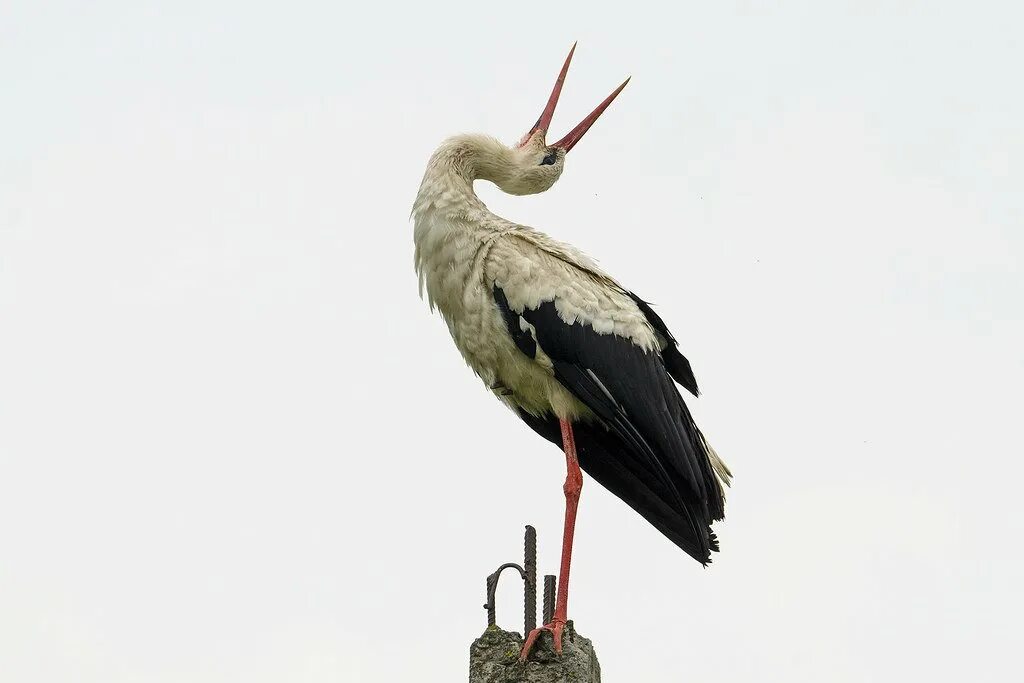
[(235, 445)]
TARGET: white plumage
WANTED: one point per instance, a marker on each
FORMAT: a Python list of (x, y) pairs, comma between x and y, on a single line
[(462, 250), (584, 362)]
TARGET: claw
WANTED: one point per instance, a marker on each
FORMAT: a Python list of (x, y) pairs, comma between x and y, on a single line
[(555, 627)]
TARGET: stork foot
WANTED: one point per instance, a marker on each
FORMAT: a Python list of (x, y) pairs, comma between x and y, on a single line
[(555, 627)]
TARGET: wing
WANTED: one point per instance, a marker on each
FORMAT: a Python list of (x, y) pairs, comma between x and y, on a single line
[(675, 362), (601, 456), (608, 349)]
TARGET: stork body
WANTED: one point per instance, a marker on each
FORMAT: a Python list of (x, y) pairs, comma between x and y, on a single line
[(463, 251), (583, 361)]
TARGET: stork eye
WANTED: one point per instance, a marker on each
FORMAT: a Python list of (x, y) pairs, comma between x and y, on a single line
[(550, 159)]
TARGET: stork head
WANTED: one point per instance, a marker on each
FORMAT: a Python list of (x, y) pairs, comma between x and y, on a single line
[(533, 165)]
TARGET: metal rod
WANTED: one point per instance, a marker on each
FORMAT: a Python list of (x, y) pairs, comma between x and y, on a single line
[(530, 580), (549, 598), (489, 605), (492, 588)]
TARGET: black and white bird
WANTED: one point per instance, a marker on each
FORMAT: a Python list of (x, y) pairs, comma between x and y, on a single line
[(585, 362)]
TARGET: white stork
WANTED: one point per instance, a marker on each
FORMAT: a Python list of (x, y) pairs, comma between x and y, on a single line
[(582, 360)]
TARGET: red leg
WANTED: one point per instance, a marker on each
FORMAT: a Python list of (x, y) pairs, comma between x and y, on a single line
[(572, 487)]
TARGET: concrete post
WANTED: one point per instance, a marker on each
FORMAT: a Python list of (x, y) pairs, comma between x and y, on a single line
[(494, 658)]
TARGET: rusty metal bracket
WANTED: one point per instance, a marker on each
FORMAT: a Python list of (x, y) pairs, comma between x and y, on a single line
[(528, 573)]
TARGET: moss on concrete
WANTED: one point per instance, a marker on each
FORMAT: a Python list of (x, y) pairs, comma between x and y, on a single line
[(494, 658)]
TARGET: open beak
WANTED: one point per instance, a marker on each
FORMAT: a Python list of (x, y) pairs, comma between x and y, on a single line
[(573, 136)]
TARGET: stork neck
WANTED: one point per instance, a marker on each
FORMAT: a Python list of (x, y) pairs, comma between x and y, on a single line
[(447, 187)]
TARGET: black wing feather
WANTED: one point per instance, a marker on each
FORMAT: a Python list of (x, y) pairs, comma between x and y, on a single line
[(522, 338), (600, 453), (675, 362), (647, 449)]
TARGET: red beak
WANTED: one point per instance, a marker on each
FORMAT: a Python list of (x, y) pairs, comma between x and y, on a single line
[(573, 136)]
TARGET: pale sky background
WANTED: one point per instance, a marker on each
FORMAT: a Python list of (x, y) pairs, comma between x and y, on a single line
[(235, 446)]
